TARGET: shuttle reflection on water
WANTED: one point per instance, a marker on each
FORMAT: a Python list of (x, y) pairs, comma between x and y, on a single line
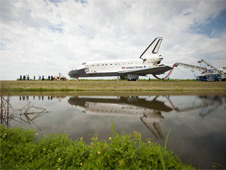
[(148, 109)]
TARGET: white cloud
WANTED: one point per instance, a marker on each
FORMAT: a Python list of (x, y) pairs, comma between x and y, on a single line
[(48, 37)]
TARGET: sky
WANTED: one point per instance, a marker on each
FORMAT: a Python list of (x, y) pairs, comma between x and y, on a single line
[(48, 37)]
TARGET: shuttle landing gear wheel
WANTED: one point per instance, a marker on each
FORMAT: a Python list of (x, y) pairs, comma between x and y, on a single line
[(132, 77)]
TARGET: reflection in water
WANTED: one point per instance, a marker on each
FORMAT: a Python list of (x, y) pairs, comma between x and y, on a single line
[(148, 109), (28, 113), (211, 104), (26, 98), (208, 104), (151, 121)]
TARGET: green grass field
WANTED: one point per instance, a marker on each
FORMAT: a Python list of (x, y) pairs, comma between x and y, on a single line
[(113, 86)]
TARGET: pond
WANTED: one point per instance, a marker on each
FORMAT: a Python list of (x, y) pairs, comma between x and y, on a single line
[(196, 122)]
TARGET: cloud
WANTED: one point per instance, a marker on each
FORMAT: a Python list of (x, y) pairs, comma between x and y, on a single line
[(48, 37)]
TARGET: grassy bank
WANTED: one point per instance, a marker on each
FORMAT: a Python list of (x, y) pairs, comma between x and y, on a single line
[(112, 86), (20, 149)]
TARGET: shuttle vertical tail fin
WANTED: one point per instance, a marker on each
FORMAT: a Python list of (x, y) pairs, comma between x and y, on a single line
[(153, 48)]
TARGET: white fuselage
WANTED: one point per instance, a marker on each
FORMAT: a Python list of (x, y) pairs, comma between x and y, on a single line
[(116, 66)]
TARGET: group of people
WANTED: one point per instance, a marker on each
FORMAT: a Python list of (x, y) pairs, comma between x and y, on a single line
[(27, 77)]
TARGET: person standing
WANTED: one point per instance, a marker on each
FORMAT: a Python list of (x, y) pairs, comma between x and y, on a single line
[(60, 76)]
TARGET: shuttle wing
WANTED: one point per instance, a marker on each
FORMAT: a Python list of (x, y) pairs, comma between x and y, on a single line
[(156, 70)]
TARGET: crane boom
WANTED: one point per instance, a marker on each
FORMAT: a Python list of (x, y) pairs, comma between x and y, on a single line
[(208, 64), (190, 66)]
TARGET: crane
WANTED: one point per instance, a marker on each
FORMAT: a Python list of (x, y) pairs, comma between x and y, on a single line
[(207, 74), (209, 65), (215, 74), (212, 74)]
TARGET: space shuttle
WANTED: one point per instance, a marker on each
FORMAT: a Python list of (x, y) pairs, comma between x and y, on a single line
[(148, 63)]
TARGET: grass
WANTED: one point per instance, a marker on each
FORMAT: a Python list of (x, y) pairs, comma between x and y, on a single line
[(20, 149), (113, 86)]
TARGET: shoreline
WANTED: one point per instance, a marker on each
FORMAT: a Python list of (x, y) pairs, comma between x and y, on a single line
[(115, 93), (105, 86)]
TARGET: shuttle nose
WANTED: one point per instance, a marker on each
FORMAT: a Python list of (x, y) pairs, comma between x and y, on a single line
[(70, 73), (73, 73)]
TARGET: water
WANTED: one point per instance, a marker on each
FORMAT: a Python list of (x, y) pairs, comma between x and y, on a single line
[(197, 122)]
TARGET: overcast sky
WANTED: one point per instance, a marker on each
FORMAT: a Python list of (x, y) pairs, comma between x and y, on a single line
[(45, 37)]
